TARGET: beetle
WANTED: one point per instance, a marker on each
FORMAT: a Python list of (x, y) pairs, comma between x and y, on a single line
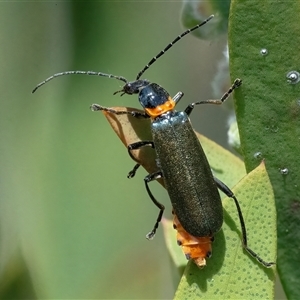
[(181, 161), (183, 166)]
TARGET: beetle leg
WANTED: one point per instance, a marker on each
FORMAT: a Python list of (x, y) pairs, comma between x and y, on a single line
[(226, 190), (136, 146), (177, 97), (147, 179), (235, 85), (136, 114)]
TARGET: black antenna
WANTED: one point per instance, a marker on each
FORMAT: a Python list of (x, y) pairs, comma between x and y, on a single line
[(121, 77), (170, 45), (79, 72)]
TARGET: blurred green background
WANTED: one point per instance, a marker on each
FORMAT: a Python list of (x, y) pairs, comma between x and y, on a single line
[(72, 224)]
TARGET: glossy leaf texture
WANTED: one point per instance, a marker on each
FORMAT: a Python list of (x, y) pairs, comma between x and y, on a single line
[(263, 45)]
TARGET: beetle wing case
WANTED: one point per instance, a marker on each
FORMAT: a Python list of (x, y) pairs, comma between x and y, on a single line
[(188, 179)]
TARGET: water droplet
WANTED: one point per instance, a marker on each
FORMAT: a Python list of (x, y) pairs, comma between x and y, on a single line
[(158, 163), (284, 171), (264, 51), (258, 155), (293, 77), (274, 128), (210, 280)]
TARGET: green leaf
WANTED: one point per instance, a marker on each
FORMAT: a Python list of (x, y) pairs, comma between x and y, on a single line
[(231, 273), (264, 47)]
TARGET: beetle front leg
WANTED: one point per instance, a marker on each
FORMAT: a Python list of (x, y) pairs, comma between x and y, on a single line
[(235, 85), (136, 114)]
